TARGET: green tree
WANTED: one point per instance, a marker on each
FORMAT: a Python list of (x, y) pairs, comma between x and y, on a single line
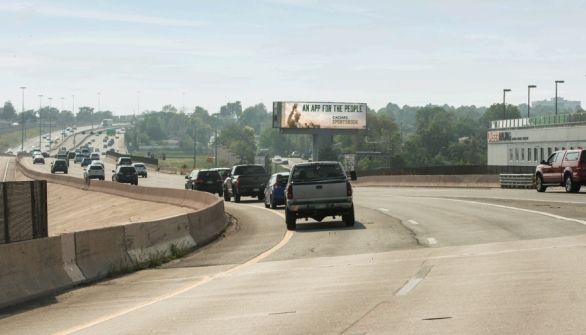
[(329, 154), (495, 112), (143, 138), (240, 140), (254, 117), (84, 114), (232, 110), (8, 112), (278, 144)]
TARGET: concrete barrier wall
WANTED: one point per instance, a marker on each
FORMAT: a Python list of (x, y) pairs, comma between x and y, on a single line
[(478, 181), (39, 267), (30, 269), (98, 250), (155, 238)]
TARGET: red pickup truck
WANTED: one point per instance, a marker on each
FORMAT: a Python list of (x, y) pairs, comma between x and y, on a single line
[(563, 168)]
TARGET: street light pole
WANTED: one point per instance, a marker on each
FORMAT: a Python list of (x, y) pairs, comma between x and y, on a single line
[(194, 147), (504, 104), (529, 98), (556, 94), (50, 137), (22, 120), (62, 118), (216, 141), (138, 104), (40, 124)]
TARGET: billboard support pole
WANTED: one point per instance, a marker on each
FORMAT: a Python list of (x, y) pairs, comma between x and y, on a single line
[(315, 153)]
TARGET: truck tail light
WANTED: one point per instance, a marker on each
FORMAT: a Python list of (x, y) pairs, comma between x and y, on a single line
[(290, 192), (238, 182), (349, 188), (199, 181)]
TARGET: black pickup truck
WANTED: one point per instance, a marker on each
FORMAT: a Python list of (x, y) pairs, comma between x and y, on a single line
[(245, 180)]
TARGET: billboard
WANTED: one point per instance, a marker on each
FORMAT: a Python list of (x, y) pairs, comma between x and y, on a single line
[(323, 115)]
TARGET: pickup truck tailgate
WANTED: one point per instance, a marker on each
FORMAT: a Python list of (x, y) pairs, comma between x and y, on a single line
[(318, 192), (252, 180)]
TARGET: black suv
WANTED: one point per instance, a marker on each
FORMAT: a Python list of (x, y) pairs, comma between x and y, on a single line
[(125, 174), (124, 161), (205, 180), (59, 165)]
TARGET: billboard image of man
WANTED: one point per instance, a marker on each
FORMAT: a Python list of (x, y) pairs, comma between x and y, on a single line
[(293, 119)]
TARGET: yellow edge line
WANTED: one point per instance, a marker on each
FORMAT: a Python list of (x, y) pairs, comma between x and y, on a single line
[(186, 288)]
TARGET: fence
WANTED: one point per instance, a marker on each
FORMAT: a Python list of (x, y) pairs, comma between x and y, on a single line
[(23, 211), (451, 170), (516, 180)]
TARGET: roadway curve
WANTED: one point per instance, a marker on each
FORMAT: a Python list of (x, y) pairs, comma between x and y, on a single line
[(462, 261)]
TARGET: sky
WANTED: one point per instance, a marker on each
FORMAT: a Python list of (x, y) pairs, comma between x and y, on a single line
[(207, 53)]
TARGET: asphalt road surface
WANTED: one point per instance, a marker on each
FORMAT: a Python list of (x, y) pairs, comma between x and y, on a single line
[(418, 261)]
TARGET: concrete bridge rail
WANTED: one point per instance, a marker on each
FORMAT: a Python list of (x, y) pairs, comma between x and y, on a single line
[(44, 266)]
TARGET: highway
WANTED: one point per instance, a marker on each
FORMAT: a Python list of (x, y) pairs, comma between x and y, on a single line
[(418, 261)]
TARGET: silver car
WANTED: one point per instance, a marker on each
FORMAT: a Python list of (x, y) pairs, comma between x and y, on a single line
[(140, 169), (94, 171), (78, 158)]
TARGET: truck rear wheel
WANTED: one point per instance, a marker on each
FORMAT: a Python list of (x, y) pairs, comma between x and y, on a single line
[(571, 187), (290, 220), (226, 195), (236, 197), (349, 218)]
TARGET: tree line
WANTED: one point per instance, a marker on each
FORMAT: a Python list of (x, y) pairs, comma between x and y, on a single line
[(412, 136), (84, 114)]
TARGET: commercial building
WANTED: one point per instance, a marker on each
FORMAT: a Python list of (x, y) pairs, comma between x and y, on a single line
[(562, 104), (528, 141)]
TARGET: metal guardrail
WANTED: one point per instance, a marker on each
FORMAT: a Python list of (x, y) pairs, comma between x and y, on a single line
[(516, 180)]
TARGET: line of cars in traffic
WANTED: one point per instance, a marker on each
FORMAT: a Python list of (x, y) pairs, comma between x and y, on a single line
[(242, 180)]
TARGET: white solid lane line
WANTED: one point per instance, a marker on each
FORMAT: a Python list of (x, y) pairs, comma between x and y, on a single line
[(383, 209), (412, 221), (432, 240), (410, 285)]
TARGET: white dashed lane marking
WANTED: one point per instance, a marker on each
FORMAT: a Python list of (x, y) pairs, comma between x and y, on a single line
[(383, 209), (432, 240), (412, 221)]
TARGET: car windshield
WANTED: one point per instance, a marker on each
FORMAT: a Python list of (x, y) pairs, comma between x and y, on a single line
[(318, 172)]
